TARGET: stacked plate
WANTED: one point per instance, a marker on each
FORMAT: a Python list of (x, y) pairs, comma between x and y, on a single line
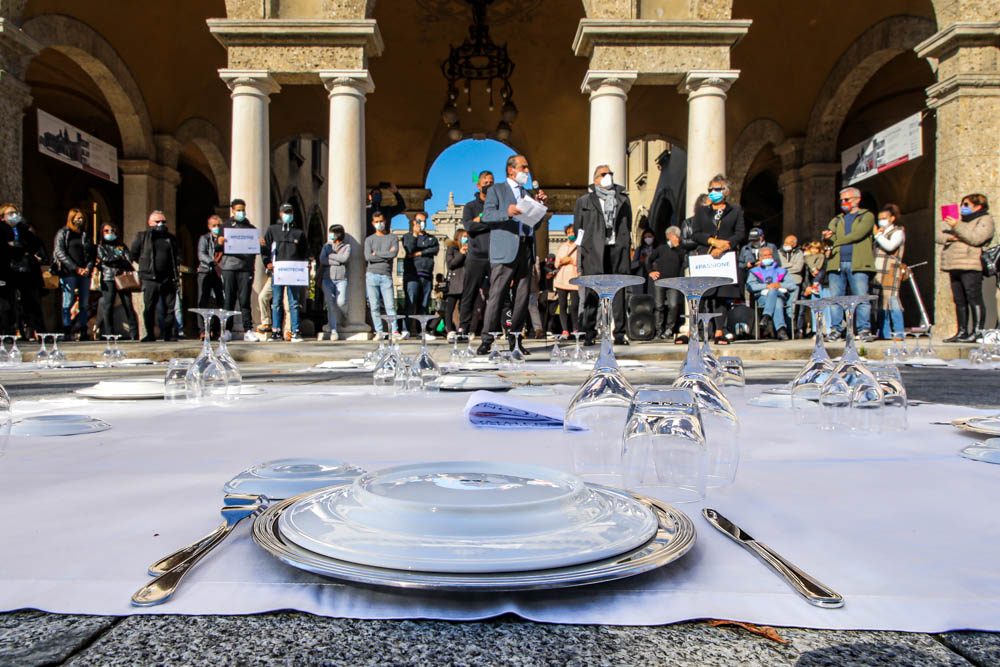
[(56, 425), (981, 425), (473, 525), (471, 382)]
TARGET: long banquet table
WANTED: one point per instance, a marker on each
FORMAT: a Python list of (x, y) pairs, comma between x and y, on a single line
[(902, 527)]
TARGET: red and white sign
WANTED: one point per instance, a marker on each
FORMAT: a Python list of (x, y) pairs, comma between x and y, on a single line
[(889, 148), (69, 144)]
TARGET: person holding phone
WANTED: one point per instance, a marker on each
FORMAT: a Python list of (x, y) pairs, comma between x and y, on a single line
[(961, 258)]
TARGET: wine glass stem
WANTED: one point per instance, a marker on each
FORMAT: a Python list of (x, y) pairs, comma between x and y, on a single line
[(850, 352), (693, 362), (607, 351), (818, 348), (206, 347)]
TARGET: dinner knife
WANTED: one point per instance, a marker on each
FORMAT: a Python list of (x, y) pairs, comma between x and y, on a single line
[(813, 591)]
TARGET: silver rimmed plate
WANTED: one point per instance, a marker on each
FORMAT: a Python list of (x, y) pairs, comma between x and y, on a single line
[(674, 537), (981, 425), (471, 382)]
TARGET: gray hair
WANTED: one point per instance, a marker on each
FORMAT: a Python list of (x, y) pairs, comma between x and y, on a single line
[(512, 161), (854, 192), (673, 229), (599, 167), (720, 178), (702, 200)]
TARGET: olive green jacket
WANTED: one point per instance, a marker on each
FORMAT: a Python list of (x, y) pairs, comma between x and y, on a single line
[(863, 255)]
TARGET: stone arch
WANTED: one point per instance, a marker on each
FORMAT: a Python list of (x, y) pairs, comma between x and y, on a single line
[(869, 53), (101, 62), (752, 140), (212, 145)]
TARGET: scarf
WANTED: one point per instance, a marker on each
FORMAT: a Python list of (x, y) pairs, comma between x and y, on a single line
[(610, 205)]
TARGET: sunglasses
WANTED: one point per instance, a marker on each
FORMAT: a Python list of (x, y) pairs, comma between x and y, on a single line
[(848, 200), (716, 189)]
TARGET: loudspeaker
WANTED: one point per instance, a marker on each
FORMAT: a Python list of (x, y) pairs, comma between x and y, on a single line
[(641, 317)]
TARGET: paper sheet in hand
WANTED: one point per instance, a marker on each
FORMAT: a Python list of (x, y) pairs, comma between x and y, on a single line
[(531, 211), (291, 273), (487, 409), (241, 241), (708, 266)]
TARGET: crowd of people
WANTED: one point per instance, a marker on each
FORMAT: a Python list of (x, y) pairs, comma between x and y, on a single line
[(494, 281)]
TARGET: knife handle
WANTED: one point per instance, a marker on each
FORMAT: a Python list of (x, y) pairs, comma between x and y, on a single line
[(812, 590)]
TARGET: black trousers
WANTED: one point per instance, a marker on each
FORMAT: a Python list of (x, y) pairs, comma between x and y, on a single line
[(667, 303), (209, 291), (8, 323), (568, 312), (108, 294), (29, 298), (475, 271), (162, 292), (450, 302), (616, 260), (236, 288), (967, 290), (517, 274)]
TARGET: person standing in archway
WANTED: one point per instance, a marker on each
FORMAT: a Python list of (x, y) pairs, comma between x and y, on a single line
[(851, 262), (418, 266), (375, 205), (477, 261), (28, 255), (961, 257), (209, 268), (76, 256), (237, 272), (158, 254), (114, 259), (284, 241)]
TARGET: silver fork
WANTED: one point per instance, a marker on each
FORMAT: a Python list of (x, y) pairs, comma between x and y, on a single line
[(168, 563), (162, 587)]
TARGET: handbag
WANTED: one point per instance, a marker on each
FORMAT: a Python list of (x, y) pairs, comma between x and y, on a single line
[(991, 260), (127, 281), (50, 280)]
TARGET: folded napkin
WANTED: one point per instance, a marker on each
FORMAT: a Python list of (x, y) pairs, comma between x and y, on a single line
[(487, 409)]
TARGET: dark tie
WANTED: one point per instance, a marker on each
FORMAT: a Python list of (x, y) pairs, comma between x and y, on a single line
[(521, 191)]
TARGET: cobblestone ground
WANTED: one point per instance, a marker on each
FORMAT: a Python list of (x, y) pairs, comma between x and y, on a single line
[(30, 637)]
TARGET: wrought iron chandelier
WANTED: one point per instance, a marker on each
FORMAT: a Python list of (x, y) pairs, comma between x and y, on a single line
[(478, 59)]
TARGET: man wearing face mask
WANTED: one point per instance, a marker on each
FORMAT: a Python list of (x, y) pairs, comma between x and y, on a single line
[(209, 268), (851, 262), (75, 257), (477, 263), (667, 261), (793, 260), (333, 261), (284, 241), (375, 203), (159, 259), (512, 249), (27, 255), (771, 284), (381, 249), (602, 220), (418, 266), (237, 273)]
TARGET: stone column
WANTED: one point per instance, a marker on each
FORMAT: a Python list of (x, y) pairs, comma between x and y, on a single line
[(966, 98), (819, 195), (346, 190), (15, 96), (250, 163), (608, 94), (706, 146)]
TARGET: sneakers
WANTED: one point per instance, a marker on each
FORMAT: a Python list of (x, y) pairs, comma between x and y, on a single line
[(264, 329), (782, 333), (322, 335), (227, 336), (429, 337), (451, 336), (405, 335), (276, 336), (250, 337), (334, 335), (833, 336), (865, 336), (296, 337)]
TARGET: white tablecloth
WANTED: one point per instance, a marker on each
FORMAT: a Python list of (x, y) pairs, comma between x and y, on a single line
[(902, 527)]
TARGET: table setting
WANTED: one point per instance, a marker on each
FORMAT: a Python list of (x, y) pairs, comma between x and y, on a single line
[(613, 503)]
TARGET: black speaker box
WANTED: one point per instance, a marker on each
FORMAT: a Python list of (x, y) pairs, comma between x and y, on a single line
[(641, 317)]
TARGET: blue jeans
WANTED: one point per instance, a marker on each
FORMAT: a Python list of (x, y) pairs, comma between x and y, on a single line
[(379, 286), (858, 282), (823, 293), (418, 294), (773, 302), (277, 316), (336, 297), (71, 286), (790, 299), (892, 319)]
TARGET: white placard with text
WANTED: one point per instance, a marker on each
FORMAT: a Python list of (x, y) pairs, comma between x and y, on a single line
[(241, 240), (291, 273), (708, 266)]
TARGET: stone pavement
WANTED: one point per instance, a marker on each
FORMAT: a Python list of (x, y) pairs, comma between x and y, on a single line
[(29, 637)]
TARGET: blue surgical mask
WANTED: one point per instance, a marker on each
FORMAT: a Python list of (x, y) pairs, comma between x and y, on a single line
[(110, 237), (966, 210), (215, 230), (286, 218), (465, 240), (331, 236), (240, 216), (767, 261), (14, 218), (716, 197)]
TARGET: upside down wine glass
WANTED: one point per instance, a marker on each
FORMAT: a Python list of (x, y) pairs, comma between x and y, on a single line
[(850, 385), (424, 364), (206, 380), (722, 426), (806, 385), (234, 378), (713, 365), (598, 410)]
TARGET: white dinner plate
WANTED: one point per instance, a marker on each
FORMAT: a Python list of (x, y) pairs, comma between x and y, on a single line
[(984, 425), (251, 390), (339, 364), (533, 390), (284, 478), (479, 366), (467, 517), (138, 361), (926, 361), (127, 390), (978, 453), (471, 383), (56, 425), (77, 364)]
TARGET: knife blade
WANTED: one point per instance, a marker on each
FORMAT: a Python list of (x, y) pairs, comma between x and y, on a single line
[(813, 591)]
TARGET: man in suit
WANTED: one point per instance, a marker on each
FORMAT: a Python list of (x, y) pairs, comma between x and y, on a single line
[(512, 248)]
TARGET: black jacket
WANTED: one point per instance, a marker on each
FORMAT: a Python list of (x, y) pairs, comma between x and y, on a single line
[(27, 253), (688, 244), (479, 231), (389, 211), (427, 246), (114, 259), (238, 262), (284, 243), (588, 215), (668, 261), (66, 264), (730, 227), (207, 247), (455, 260), (142, 248)]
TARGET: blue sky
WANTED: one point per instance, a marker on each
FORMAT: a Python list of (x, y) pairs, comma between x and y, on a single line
[(454, 171)]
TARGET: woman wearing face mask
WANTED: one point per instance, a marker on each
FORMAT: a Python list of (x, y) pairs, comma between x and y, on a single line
[(333, 261), (455, 255), (75, 256), (114, 259), (640, 262), (567, 294), (963, 242), (27, 256), (889, 242)]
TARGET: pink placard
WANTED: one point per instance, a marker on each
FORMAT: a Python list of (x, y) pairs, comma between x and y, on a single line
[(949, 211)]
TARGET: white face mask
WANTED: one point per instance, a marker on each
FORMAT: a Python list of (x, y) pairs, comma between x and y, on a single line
[(786, 248), (422, 225), (883, 223), (380, 226), (522, 178), (648, 240), (606, 181)]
